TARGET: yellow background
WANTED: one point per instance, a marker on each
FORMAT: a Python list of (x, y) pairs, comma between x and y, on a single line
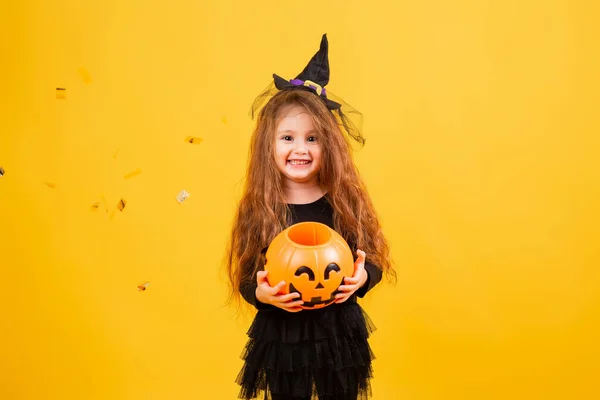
[(481, 157)]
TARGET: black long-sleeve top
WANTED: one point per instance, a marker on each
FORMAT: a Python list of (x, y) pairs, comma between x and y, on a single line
[(318, 211)]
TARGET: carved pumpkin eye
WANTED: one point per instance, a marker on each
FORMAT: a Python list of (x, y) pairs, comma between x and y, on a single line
[(331, 267), (305, 270)]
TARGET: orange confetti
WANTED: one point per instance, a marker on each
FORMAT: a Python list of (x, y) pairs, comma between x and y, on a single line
[(61, 93), (121, 205), (193, 140), (95, 206), (132, 174), (143, 286), (1, 171), (50, 184)]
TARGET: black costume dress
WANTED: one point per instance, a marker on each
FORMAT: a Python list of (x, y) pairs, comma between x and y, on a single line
[(321, 353)]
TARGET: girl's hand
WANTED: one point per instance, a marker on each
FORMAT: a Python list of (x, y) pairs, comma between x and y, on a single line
[(354, 283), (270, 294)]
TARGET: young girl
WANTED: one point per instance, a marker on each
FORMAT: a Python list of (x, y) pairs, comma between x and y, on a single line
[(301, 169)]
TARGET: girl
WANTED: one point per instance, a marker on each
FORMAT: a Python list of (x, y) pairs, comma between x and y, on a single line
[(301, 169)]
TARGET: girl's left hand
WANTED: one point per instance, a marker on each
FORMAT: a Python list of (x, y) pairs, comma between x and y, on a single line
[(354, 283)]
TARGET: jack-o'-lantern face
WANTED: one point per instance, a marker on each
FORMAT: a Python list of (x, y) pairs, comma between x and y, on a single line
[(312, 259), (327, 286)]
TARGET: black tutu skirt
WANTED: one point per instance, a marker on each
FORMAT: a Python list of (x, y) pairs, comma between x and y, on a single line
[(310, 354)]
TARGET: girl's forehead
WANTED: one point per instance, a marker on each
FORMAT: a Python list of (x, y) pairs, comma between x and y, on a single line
[(291, 110), (296, 118)]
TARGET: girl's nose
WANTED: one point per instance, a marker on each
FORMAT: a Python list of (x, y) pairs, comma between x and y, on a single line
[(300, 148)]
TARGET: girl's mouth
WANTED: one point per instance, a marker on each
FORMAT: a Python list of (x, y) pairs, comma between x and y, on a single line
[(298, 162)]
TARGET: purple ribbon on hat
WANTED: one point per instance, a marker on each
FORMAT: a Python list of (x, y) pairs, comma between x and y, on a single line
[(299, 82)]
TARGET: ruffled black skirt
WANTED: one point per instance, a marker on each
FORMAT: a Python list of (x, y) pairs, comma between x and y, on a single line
[(311, 354)]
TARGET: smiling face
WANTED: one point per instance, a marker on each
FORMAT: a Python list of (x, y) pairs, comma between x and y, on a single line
[(316, 291), (297, 146)]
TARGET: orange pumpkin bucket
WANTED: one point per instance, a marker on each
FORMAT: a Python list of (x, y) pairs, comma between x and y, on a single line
[(312, 259)]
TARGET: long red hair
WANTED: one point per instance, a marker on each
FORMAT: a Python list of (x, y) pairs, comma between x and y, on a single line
[(263, 213)]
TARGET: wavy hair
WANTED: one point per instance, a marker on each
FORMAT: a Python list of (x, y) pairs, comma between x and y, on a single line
[(262, 211)]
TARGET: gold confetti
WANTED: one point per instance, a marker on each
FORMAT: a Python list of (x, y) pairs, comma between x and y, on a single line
[(132, 174), (143, 286), (182, 196), (61, 93), (95, 206), (50, 184), (116, 152), (1, 171), (105, 204), (193, 140), (85, 75), (224, 120), (121, 205)]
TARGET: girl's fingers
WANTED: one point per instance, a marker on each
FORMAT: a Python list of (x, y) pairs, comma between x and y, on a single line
[(341, 298), (347, 288), (361, 255), (287, 297), (292, 306), (278, 287), (351, 280), (261, 276)]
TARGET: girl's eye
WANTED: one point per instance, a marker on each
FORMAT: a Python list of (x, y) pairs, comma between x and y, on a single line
[(287, 137), (312, 139)]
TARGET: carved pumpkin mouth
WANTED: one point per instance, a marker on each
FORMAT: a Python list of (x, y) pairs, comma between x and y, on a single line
[(315, 301)]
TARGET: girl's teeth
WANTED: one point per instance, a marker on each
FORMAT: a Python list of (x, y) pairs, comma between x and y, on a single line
[(298, 162)]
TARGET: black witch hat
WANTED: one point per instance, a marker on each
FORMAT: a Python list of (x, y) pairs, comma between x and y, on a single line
[(314, 78)]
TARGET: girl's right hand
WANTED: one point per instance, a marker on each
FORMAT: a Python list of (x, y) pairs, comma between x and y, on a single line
[(268, 294)]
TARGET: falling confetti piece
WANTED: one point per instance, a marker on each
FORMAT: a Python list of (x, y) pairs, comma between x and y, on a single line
[(61, 93), (193, 140), (85, 75), (182, 196), (50, 184), (115, 155), (1, 171), (121, 205), (95, 206), (224, 120), (143, 286), (132, 174), (105, 204)]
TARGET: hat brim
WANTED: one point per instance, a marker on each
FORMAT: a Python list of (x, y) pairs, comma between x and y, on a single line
[(284, 84)]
